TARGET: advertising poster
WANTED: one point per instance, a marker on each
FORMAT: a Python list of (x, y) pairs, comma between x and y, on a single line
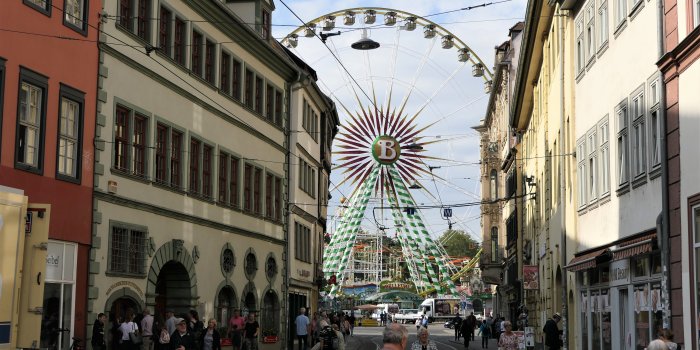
[(531, 277)]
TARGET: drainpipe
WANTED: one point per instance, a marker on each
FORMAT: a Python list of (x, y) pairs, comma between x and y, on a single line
[(662, 228), (562, 15)]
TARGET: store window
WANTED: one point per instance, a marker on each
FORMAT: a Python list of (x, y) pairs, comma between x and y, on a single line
[(59, 295), (642, 320), (640, 267), (626, 334), (584, 320)]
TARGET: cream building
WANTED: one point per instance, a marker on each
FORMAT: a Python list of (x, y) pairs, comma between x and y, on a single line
[(192, 163), (618, 156), (543, 121)]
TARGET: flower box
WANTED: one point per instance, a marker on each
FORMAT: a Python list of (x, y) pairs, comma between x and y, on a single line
[(270, 339), (226, 342)]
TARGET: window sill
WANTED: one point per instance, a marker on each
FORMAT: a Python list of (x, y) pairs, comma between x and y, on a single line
[(125, 274), (636, 9), (126, 174), (172, 61), (202, 80), (622, 189), (639, 180), (46, 11), (29, 168), (655, 172), (82, 31), (603, 47), (620, 27), (580, 75), (168, 187), (201, 197), (590, 63), (66, 178)]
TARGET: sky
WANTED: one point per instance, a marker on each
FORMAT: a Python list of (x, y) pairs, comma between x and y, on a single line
[(418, 70)]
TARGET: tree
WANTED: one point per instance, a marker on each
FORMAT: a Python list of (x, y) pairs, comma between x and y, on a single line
[(459, 243)]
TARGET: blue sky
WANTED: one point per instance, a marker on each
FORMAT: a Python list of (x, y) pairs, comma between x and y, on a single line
[(433, 76)]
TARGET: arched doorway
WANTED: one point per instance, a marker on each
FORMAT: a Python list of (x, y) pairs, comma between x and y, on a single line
[(249, 302), (225, 304), (117, 313), (173, 289), (270, 313)]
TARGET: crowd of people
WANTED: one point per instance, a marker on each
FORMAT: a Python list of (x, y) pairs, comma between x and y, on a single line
[(174, 333), (323, 331)]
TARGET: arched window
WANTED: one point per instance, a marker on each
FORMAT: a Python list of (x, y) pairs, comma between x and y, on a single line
[(270, 318), (226, 304), (494, 244), (493, 184)]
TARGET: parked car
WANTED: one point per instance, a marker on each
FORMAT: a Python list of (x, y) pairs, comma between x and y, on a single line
[(449, 324)]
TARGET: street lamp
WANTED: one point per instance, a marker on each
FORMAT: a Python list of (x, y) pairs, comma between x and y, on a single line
[(365, 43)]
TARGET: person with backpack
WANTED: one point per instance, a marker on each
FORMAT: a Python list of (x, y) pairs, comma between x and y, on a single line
[(485, 331), (327, 337), (163, 342)]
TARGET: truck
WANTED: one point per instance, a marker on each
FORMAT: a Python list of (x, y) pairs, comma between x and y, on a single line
[(441, 309), (388, 309), (407, 316)]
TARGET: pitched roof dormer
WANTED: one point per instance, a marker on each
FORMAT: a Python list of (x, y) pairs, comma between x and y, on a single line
[(257, 14)]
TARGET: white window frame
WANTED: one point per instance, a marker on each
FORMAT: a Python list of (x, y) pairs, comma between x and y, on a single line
[(582, 177), (590, 38), (620, 12), (655, 117), (33, 104), (74, 11), (696, 13), (622, 151), (592, 165), (695, 212), (604, 156), (638, 140), (580, 47), (603, 23), (68, 137)]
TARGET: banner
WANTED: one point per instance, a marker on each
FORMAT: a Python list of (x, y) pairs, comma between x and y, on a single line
[(531, 278)]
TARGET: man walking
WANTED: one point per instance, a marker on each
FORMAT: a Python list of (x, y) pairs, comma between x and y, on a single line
[(457, 323), (395, 337), (147, 330), (302, 323), (552, 333), (98, 333), (471, 325)]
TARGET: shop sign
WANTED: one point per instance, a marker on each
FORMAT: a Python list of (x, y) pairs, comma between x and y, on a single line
[(59, 262), (619, 272)]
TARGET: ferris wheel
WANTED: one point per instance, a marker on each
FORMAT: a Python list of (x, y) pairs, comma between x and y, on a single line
[(403, 78)]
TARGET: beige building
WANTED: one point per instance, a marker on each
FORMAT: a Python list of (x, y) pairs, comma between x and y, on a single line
[(193, 162)]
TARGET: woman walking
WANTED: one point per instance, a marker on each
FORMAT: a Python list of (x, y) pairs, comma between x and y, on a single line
[(211, 339), (508, 340), (127, 327)]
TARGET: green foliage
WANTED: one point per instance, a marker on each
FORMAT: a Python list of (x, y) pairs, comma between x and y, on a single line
[(457, 243)]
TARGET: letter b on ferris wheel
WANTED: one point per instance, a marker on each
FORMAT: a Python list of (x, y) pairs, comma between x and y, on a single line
[(386, 150)]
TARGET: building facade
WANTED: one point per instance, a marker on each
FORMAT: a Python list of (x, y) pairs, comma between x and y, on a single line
[(617, 135), (193, 163), (47, 113), (681, 73), (496, 145)]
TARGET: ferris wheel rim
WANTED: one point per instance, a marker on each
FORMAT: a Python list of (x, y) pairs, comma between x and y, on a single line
[(442, 31)]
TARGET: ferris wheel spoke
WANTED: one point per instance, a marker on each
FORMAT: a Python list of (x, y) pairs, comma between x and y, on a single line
[(421, 65), (394, 57)]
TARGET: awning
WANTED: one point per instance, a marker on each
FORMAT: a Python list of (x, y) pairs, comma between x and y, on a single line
[(634, 247), (587, 260)]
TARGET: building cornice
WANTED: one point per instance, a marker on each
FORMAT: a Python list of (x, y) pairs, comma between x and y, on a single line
[(674, 62)]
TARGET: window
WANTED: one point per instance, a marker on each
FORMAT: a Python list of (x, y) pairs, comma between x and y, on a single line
[(620, 12), (121, 138), (258, 95), (206, 171), (696, 12), (125, 14), (194, 165), (75, 14), (127, 254), (228, 180), (639, 147), (273, 191), (250, 264), (236, 80), (196, 49), (581, 156), (31, 116), (307, 178), (654, 125), (179, 41), (165, 31), (302, 242), (224, 73), (43, 6), (59, 288), (130, 141), (135, 17), (139, 145), (248, 99), (622, 144), (604, 159), (143, 20), (603, 23), (209, 61), (580, 47), (269, 103), (590, 32), (247, 187), (257, 188), (278, 108), (168, 150), (69, 133), (592, 168), (494, 184), (494, 244), (310, 120), (266, 25), (696, 254)]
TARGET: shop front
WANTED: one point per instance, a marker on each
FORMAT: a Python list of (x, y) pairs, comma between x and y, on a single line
[(619, 295)]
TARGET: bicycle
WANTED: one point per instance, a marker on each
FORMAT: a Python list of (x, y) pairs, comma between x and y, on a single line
[(75, 345)]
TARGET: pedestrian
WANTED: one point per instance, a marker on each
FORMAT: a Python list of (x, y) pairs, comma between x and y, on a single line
[(464, 329), (552, 333), (508, 340), (666, 335), (340, 336), (127, 327), (485, 332), (147, 330), (471, 326), (98, 333), (425, 322), (351, 319), (170, 321), (210, 338), (657, 344), (457, 323), (346, 326), (163, 338), (181, 339), (235, 329), (395, 337), (423, 342), (303, 326), (250, 332), (419, 322), (315, 328), (195, 327)]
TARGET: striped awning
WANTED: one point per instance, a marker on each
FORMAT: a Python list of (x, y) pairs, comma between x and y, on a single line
[(634, 247), (587, 260)]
